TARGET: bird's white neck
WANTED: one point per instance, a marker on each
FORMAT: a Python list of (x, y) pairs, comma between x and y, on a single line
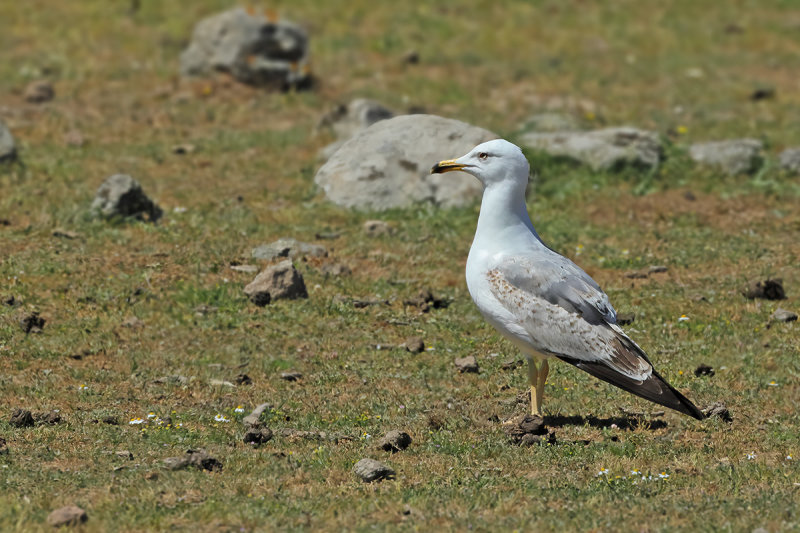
[(503, 214)]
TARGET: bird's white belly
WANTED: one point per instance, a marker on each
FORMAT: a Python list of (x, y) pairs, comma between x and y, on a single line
[(493, 311)]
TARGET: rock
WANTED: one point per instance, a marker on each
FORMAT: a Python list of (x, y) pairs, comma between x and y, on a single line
[(551, 122), (657, 269), (789, 160), (250, 47), (243, 379), (291, 376), (467, 364), (377, 228), (49, 418), (280, 281), (291, 248), (8, 149), (183, 149), (247, 269), (253, 418), (371, 470), (257, 435), (71, 515), (196, 458), (606, 149), (426, 301), (336, 270), (220, 383), (769, 289), (737, 156), (782, 315), (348, 119), (121, 195), (395, 441), (21, 418), (528, 430), (704, 370), (388, 164), (32, 323), (38, 92), (414, 345), (718, 409)]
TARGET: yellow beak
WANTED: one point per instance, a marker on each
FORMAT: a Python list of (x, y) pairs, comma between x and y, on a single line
[(447, 165)]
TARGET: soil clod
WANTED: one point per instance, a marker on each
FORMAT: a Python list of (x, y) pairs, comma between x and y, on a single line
[(257, 435), (291, 376), (782, 315), (395, 441), (704, 370), (21, 418), (71, 515), (467, 365), (415, 344), (718, 409), (32, 323), (195, 458), (370, 470), (529, 430), (769, 289)]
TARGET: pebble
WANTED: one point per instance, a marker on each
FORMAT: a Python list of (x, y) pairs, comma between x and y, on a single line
[(395, 441), (371, 470), (467, 364), (782, 315)]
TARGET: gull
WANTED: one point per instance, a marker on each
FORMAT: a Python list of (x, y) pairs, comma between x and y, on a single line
[(539, 300)]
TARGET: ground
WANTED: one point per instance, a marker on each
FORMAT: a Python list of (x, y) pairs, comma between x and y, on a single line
[(130, 305)]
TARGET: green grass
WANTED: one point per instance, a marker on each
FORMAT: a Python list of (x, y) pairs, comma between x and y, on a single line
[(250, 181)]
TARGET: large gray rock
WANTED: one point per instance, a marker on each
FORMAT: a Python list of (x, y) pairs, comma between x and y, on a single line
[(388, 164), (736, 156), (291, 248), (280, 281), (348, 119), (789, 160), (251, 47), (8, 149), (121, 195), (605, 149)]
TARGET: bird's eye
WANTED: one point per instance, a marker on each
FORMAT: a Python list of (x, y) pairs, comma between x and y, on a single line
[(483, 156)]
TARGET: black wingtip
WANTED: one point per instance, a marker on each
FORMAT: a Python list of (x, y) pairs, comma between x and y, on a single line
[(655, 388)]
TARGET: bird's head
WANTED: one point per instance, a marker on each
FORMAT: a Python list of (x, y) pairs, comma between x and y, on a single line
[(492, 162)]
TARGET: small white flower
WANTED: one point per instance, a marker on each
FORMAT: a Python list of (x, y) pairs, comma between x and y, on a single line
[(663, 475), (136, 421), (239, 409), (635, 472), (751, 456), (789, 457), (221, 418), (151, 415), (83, 387), (772, 383), (683, 318), (178, 209), (603, 472)]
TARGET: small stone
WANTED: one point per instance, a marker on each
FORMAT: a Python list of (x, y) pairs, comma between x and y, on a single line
[(39, 92), (183, 149), (253, 418), (220, 383), (243, 379), (528, 430), (8, 148), (122, 196), (377, 228), (196, 458), (371, 470), (425, 300), (467, 364), (257, 436), (21, 418), (415, 345), (336, 270), (280, 281), (248, 269), (124, 454), (789, 160), (50, 418), (71, 515), (769, 289), (657, 269), (395, 441), (286, 247), (65, 234), (291, 376), (782, 315), (32, 323), (718, 409), (704, 370), (737, 156)]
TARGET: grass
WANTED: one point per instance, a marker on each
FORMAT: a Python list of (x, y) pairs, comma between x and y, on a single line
[(251, 181)]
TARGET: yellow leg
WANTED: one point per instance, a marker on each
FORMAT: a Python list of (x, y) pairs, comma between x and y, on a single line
[(536, 379)]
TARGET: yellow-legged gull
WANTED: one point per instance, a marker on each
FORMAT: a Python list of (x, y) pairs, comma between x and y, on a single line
[(539, 300)]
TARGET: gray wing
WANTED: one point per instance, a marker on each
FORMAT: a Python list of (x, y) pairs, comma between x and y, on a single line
[(570, 317), (560, 282)]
